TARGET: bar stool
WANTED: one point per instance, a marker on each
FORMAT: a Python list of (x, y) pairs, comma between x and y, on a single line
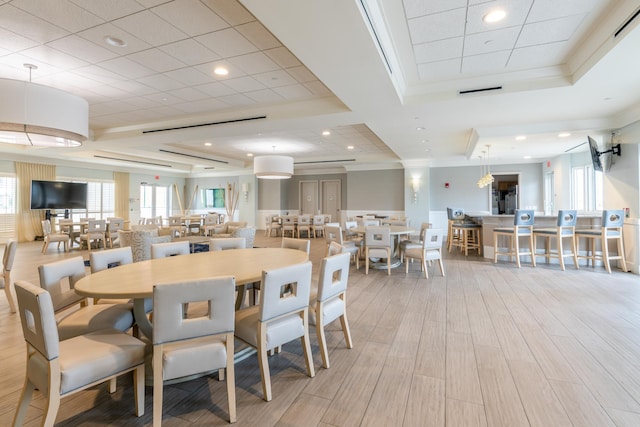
[(612, 222), (463, 234), (565, 229), (522, 227), (455, 216)]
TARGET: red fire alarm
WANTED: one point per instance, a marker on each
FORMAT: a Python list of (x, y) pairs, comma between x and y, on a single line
[(157, 177), (446, 185)]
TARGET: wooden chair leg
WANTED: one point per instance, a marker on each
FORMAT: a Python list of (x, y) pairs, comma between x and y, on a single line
[(157, 388), (138, 389), (322, 340)]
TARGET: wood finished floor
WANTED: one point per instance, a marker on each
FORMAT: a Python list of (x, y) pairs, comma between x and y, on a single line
[(487, 345)]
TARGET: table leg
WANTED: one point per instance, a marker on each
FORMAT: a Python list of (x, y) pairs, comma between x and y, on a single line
[(140, 315)]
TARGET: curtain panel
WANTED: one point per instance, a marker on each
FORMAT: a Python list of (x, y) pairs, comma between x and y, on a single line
[(29, 222)]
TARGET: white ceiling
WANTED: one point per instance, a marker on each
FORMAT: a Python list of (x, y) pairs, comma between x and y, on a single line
[(310, 67)]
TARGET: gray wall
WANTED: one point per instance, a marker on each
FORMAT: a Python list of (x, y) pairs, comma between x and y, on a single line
[(375, 190)]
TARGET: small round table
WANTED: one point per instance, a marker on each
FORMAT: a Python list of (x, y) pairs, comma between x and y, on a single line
[(396, 231)]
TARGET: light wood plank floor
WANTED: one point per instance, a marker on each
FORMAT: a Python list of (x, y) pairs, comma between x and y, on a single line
[(487, 345)]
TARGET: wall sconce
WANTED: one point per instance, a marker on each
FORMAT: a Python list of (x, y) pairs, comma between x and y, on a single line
[(415, 187), (245, 190)]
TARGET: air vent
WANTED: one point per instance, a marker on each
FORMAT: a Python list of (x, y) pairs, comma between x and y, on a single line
[(223, 122), (192, 156), (626, 24), (375, 36), (324, 161), (132, 161), (484, 89)]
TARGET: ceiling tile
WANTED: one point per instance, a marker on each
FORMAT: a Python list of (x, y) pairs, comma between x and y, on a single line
[(254, 63), (48, 55), (190, 16), (302, 74), (216, 89), (160, 82), (61, 13), (318, 88), (99, 74), (201, 106), (17, 61), (110, 9), (550, 31), (550, 9), (156, 60), (189, 76), (264, 96), (190, 52), (237, 100), (27, 25), (275, 79), (133, 88), (438, 50), (231, 11), (126, 68), (82, 48), (435, 70), (438, 26), (416, 8), (244, 84), (257, 34), (141, 102), (491, 41), (227, 43), (487, 63), (293, 92), (189, 94), (14, 42), (209, 68), (283, 57), (538, 56), (150, 28)]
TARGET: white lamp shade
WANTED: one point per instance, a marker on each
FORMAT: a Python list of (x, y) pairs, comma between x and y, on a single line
[(273, 167), (49, 116)]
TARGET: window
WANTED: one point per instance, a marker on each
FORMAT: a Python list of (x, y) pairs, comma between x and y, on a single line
[(100, 201), (7, 206), (154, 201), (586, 189)]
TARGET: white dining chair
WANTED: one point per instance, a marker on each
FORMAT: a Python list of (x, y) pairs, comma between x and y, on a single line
[(60, 368), (163, 250), (304, 225), (299, 244), (7, 264), (96, 232), (329, 303), (334, 234), (317, 225), (197, 345), (377, 242), (430, 250), (58, 278), (114, 224), (51, 237), (278, 319), (224, 243)]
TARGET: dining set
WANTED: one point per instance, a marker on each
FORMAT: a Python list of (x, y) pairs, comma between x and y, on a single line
[(86, 231), (176, 312)]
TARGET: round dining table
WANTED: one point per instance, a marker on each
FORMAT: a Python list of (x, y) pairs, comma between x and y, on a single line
[(135, 281)]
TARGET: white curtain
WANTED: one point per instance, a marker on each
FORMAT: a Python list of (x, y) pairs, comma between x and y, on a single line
[(121, 181), (29, 222)]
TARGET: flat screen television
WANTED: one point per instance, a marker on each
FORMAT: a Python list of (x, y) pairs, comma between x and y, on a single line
[(58, 195), (595, 155)]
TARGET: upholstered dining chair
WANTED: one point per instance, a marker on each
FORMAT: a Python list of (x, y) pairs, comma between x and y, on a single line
[(279, 318), (272, 225), (522, 227), (304, 225), (330, 303), (58, 278), (51, 237), (611, 229), (334, 248), (317, 225), (110, 258), (59, 368), (564, 229), (288, 225), (334, 234), (96, 232), (209, 224), (65, 226), (224, 243), (7, 264), (115, 224), (299, 244), (430, 250), (412, 242), (163, 250), (377, 242), (197, 345)]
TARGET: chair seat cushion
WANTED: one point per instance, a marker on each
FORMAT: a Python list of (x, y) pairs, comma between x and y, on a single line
[(510, 230), (278, 331), (413, 252), (94, 318), (331, 310), (97, 355), (183, 358), (552, 231)]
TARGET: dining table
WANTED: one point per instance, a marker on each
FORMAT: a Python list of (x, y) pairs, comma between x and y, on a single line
[(135, 281), (396, 232)]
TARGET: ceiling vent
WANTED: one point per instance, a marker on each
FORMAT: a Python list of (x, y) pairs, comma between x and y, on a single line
[(193, 156), (132, 161), (479, 90), (324, 161), (223, 122), (626, 24)]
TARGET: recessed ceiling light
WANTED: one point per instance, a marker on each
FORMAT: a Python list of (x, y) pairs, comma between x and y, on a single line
[(527, 157), (221, 71), (521, 137), (350, 147), (114, 41), (494, 16), (208, 144), (249, 154), (564, 134), (326, 133), (419, 128)]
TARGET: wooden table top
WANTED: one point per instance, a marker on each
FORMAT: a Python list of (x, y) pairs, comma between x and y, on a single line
[(394, 230), (136, 280)]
